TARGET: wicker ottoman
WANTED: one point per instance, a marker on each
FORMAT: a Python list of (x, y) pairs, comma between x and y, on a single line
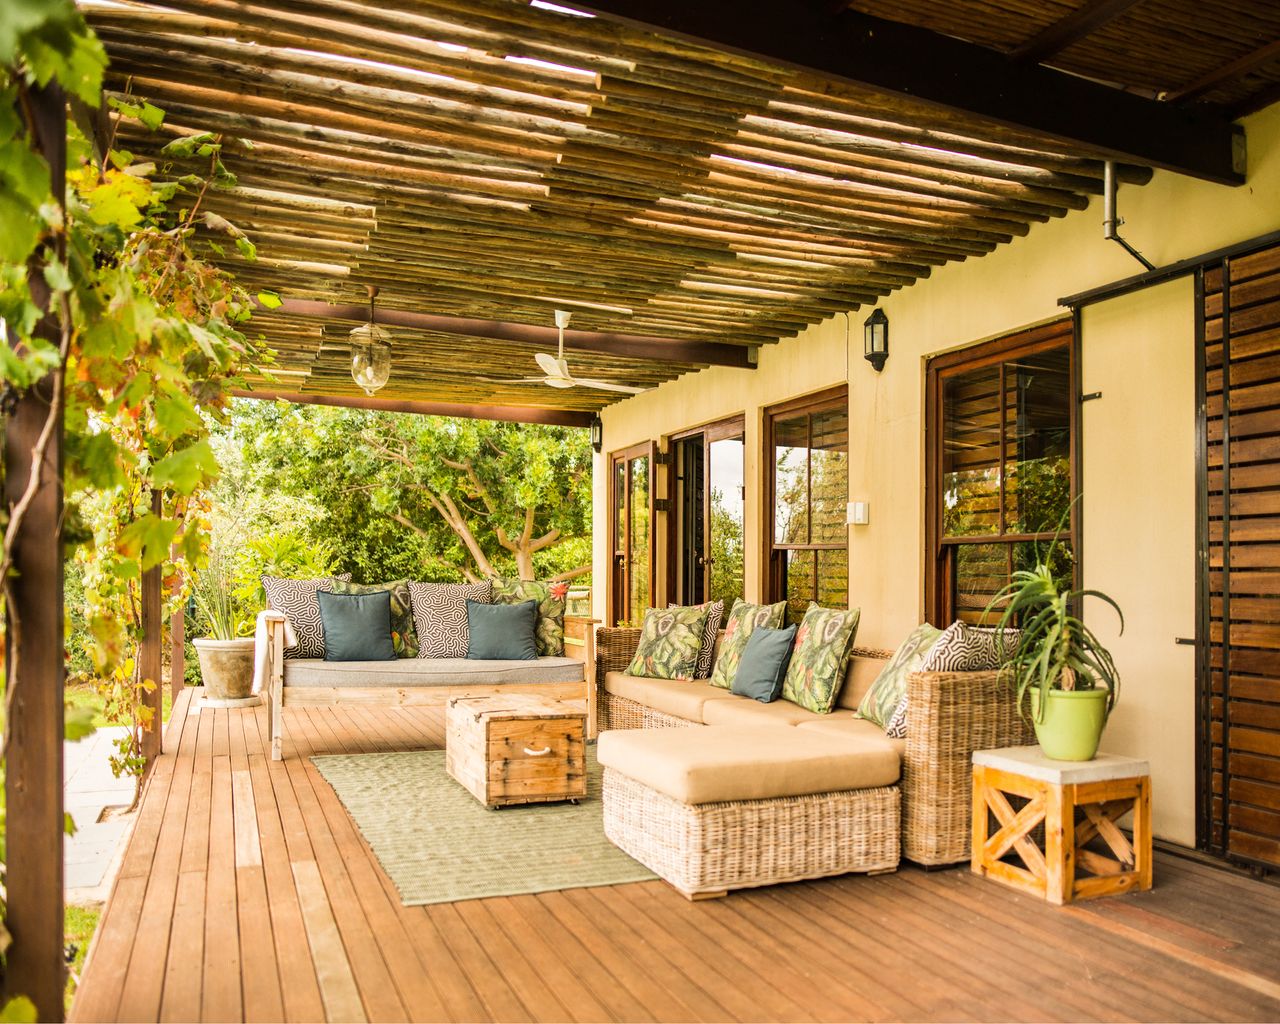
[(715, 808)]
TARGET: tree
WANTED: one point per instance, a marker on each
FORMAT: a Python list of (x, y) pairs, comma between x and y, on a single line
[(429, 497)]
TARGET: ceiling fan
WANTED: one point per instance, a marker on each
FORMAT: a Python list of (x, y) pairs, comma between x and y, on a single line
[(556, 369)]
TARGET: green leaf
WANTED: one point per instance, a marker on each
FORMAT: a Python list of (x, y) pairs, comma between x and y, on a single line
[(56, 276), (20, 1009), (187, 146), (99, 460), (269, 300), (247, 249), (68, 822), (151, 116), (148, 539), (187, 469), (177, 415)]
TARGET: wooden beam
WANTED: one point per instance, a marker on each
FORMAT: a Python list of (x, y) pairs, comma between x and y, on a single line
[(505, 413), (1240, 66), (953, 75), (177, 647), (635, 346), (151, 650), (1083, 21), (35, 642)]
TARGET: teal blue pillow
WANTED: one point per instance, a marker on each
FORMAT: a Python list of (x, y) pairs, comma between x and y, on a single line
[(502, 632), (763, 667), (357, 627)]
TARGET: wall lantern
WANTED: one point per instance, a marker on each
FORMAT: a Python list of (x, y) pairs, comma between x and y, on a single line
[(370, 353), (597, 433), (875, 330)]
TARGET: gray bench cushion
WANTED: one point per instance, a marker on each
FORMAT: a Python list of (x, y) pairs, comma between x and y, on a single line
[(429, 672)]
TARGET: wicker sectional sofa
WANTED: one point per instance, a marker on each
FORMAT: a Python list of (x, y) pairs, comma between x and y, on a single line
[(951, 715)]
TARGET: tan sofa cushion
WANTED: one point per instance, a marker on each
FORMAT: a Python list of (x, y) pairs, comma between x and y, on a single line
[(855, 729), (745, 711), (859, 676), (717, 763), (683, 698)]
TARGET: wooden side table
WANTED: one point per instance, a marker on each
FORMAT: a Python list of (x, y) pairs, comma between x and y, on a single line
[(1075, 801)]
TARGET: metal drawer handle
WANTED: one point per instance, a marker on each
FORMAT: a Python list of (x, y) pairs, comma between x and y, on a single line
[(537, 753)]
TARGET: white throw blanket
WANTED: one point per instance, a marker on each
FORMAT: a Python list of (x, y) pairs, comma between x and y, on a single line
[(261, 646)]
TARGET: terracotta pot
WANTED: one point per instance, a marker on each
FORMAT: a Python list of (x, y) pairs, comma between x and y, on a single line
[(226, 667)]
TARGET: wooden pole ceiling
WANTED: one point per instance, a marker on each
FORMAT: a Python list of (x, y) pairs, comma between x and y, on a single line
[(510, 414), (956, 76)]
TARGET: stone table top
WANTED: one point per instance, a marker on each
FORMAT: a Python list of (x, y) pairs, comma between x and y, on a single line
[(1031, 763)]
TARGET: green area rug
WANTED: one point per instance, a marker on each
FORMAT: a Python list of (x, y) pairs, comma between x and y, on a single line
[(439, 845)]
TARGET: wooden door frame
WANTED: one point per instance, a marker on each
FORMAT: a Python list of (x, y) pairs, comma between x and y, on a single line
[(625, 456), (1030, 341), (814, 401)]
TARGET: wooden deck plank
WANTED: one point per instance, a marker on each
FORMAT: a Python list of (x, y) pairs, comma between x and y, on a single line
[(248, 893)]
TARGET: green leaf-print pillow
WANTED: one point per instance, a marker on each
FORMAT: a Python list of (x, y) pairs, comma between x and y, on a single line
[(551, 598), (743, 619), (404, 635), (823, 643), (670, 642), (883, 696)]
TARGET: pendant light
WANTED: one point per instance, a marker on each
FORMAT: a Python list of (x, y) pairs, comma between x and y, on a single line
[(370, 352)]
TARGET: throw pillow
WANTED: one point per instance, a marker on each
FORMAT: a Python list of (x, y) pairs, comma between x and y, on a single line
[(670, 641), (882, 697), (440, 616), (763, 667), (403, 634), (715, 615), (550, 598), (296, 600), (357, 627), (822, 651), (743, 619), (959, 648), (502, 632)]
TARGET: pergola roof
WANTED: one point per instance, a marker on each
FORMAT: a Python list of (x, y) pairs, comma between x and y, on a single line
[(494, 160)]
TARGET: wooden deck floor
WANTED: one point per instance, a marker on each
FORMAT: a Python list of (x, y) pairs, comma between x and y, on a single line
[(247, 894)]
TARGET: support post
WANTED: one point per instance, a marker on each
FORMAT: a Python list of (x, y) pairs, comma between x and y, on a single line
[(34, 665), (151, 650), (177, 641)]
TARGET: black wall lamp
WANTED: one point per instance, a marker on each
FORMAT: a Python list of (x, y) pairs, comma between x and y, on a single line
[(875, 329), (597, 433)]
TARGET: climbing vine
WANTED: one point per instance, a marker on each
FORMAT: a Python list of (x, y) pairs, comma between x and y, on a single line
[(107, 296)]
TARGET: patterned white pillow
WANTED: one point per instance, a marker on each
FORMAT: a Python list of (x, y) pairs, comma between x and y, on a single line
[(960, 648), (706, 656), (440, 616), (297, 600)]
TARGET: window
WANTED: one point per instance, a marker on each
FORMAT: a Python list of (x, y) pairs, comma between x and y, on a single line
[(631, 514), (807, 442), (707, 527), (1001, 427)]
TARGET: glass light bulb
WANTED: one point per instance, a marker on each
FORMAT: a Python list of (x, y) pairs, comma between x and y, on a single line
[(370, 357)]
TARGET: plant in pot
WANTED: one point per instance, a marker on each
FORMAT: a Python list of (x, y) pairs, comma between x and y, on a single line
[(1067, 683), (226, 654)]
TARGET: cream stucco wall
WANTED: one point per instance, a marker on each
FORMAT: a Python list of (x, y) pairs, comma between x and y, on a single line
[(1019, 285)]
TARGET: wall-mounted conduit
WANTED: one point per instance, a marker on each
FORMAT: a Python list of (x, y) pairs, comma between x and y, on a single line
[(1110, 221)]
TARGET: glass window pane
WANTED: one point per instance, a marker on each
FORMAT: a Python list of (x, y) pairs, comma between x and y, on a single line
[(980, 571), (640, 564), (800, 585), (1061, 557), (620, 505), (829, 466), (1038, 442), (833, 578), (727, 537), (971, 453), (790, 489)]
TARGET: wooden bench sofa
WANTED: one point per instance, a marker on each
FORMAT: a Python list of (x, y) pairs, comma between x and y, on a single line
[(951, 715), (295, 682)]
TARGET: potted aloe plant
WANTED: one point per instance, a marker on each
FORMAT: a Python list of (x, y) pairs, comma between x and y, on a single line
[(1067, 683), (226, 654)]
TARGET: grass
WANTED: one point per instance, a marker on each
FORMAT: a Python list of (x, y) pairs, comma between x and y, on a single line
[(79, 925), (83, 695)]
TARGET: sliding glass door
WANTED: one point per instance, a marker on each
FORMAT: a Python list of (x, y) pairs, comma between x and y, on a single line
[(708, 490), (631, 530)]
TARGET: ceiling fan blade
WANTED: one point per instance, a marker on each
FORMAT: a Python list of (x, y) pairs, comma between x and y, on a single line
[(550, 365), (604, 385)]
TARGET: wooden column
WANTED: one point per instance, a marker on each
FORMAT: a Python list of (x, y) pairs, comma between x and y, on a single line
[(151, 649), (177, 651), (34, 659)]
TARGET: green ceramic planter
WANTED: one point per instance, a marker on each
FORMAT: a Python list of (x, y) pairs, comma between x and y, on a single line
[(1072, 725)]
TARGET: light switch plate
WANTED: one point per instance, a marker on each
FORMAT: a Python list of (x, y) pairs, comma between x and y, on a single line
[(859, 513)]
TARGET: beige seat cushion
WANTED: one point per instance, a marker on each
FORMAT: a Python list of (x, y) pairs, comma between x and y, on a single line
[(745, 711), (683, 698), (717, 763), (855, 729)]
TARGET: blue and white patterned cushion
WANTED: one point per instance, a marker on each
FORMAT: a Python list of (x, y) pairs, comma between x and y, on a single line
[(297, 600), (440, 616)]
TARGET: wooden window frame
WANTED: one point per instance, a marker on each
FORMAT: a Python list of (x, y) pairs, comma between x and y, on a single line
[(813, 402), (1028, 342), (717, 430), (625, 455)]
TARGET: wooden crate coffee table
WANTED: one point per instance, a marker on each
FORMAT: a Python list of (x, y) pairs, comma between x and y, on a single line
[(1076, 802), (516, 750)]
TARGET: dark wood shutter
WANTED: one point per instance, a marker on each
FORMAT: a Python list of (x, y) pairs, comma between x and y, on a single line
[(1240, 716)]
